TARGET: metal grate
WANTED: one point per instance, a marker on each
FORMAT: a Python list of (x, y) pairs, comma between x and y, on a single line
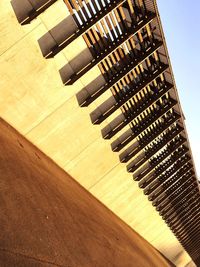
[(129, 49)]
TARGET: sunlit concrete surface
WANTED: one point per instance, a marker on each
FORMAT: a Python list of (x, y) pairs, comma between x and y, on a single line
[(34, 100)]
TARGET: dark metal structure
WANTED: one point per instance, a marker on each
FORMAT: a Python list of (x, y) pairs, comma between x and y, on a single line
[(126, 42)]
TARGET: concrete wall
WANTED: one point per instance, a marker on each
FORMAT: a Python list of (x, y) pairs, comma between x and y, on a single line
[(34, 100), (48, 219)]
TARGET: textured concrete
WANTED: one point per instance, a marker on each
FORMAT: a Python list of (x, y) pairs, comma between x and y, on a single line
[(35, 102), (48, 219)]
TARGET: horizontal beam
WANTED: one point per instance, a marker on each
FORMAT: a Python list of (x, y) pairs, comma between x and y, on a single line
[(132, 167), (172, 200), (171, 161), (193, 190), (173, 217), (186, 225), (174, 195), (136, 149), (161, 159), (85, 27), (164, 177), (187, 208), (190, 177), (120, 75), (179, 178), (133, 150), (158, 130), (113, 46), (108, 132), (131, 93), (186, 232)]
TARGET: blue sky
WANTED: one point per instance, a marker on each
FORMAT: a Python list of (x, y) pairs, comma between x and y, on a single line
[(181, 24)]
